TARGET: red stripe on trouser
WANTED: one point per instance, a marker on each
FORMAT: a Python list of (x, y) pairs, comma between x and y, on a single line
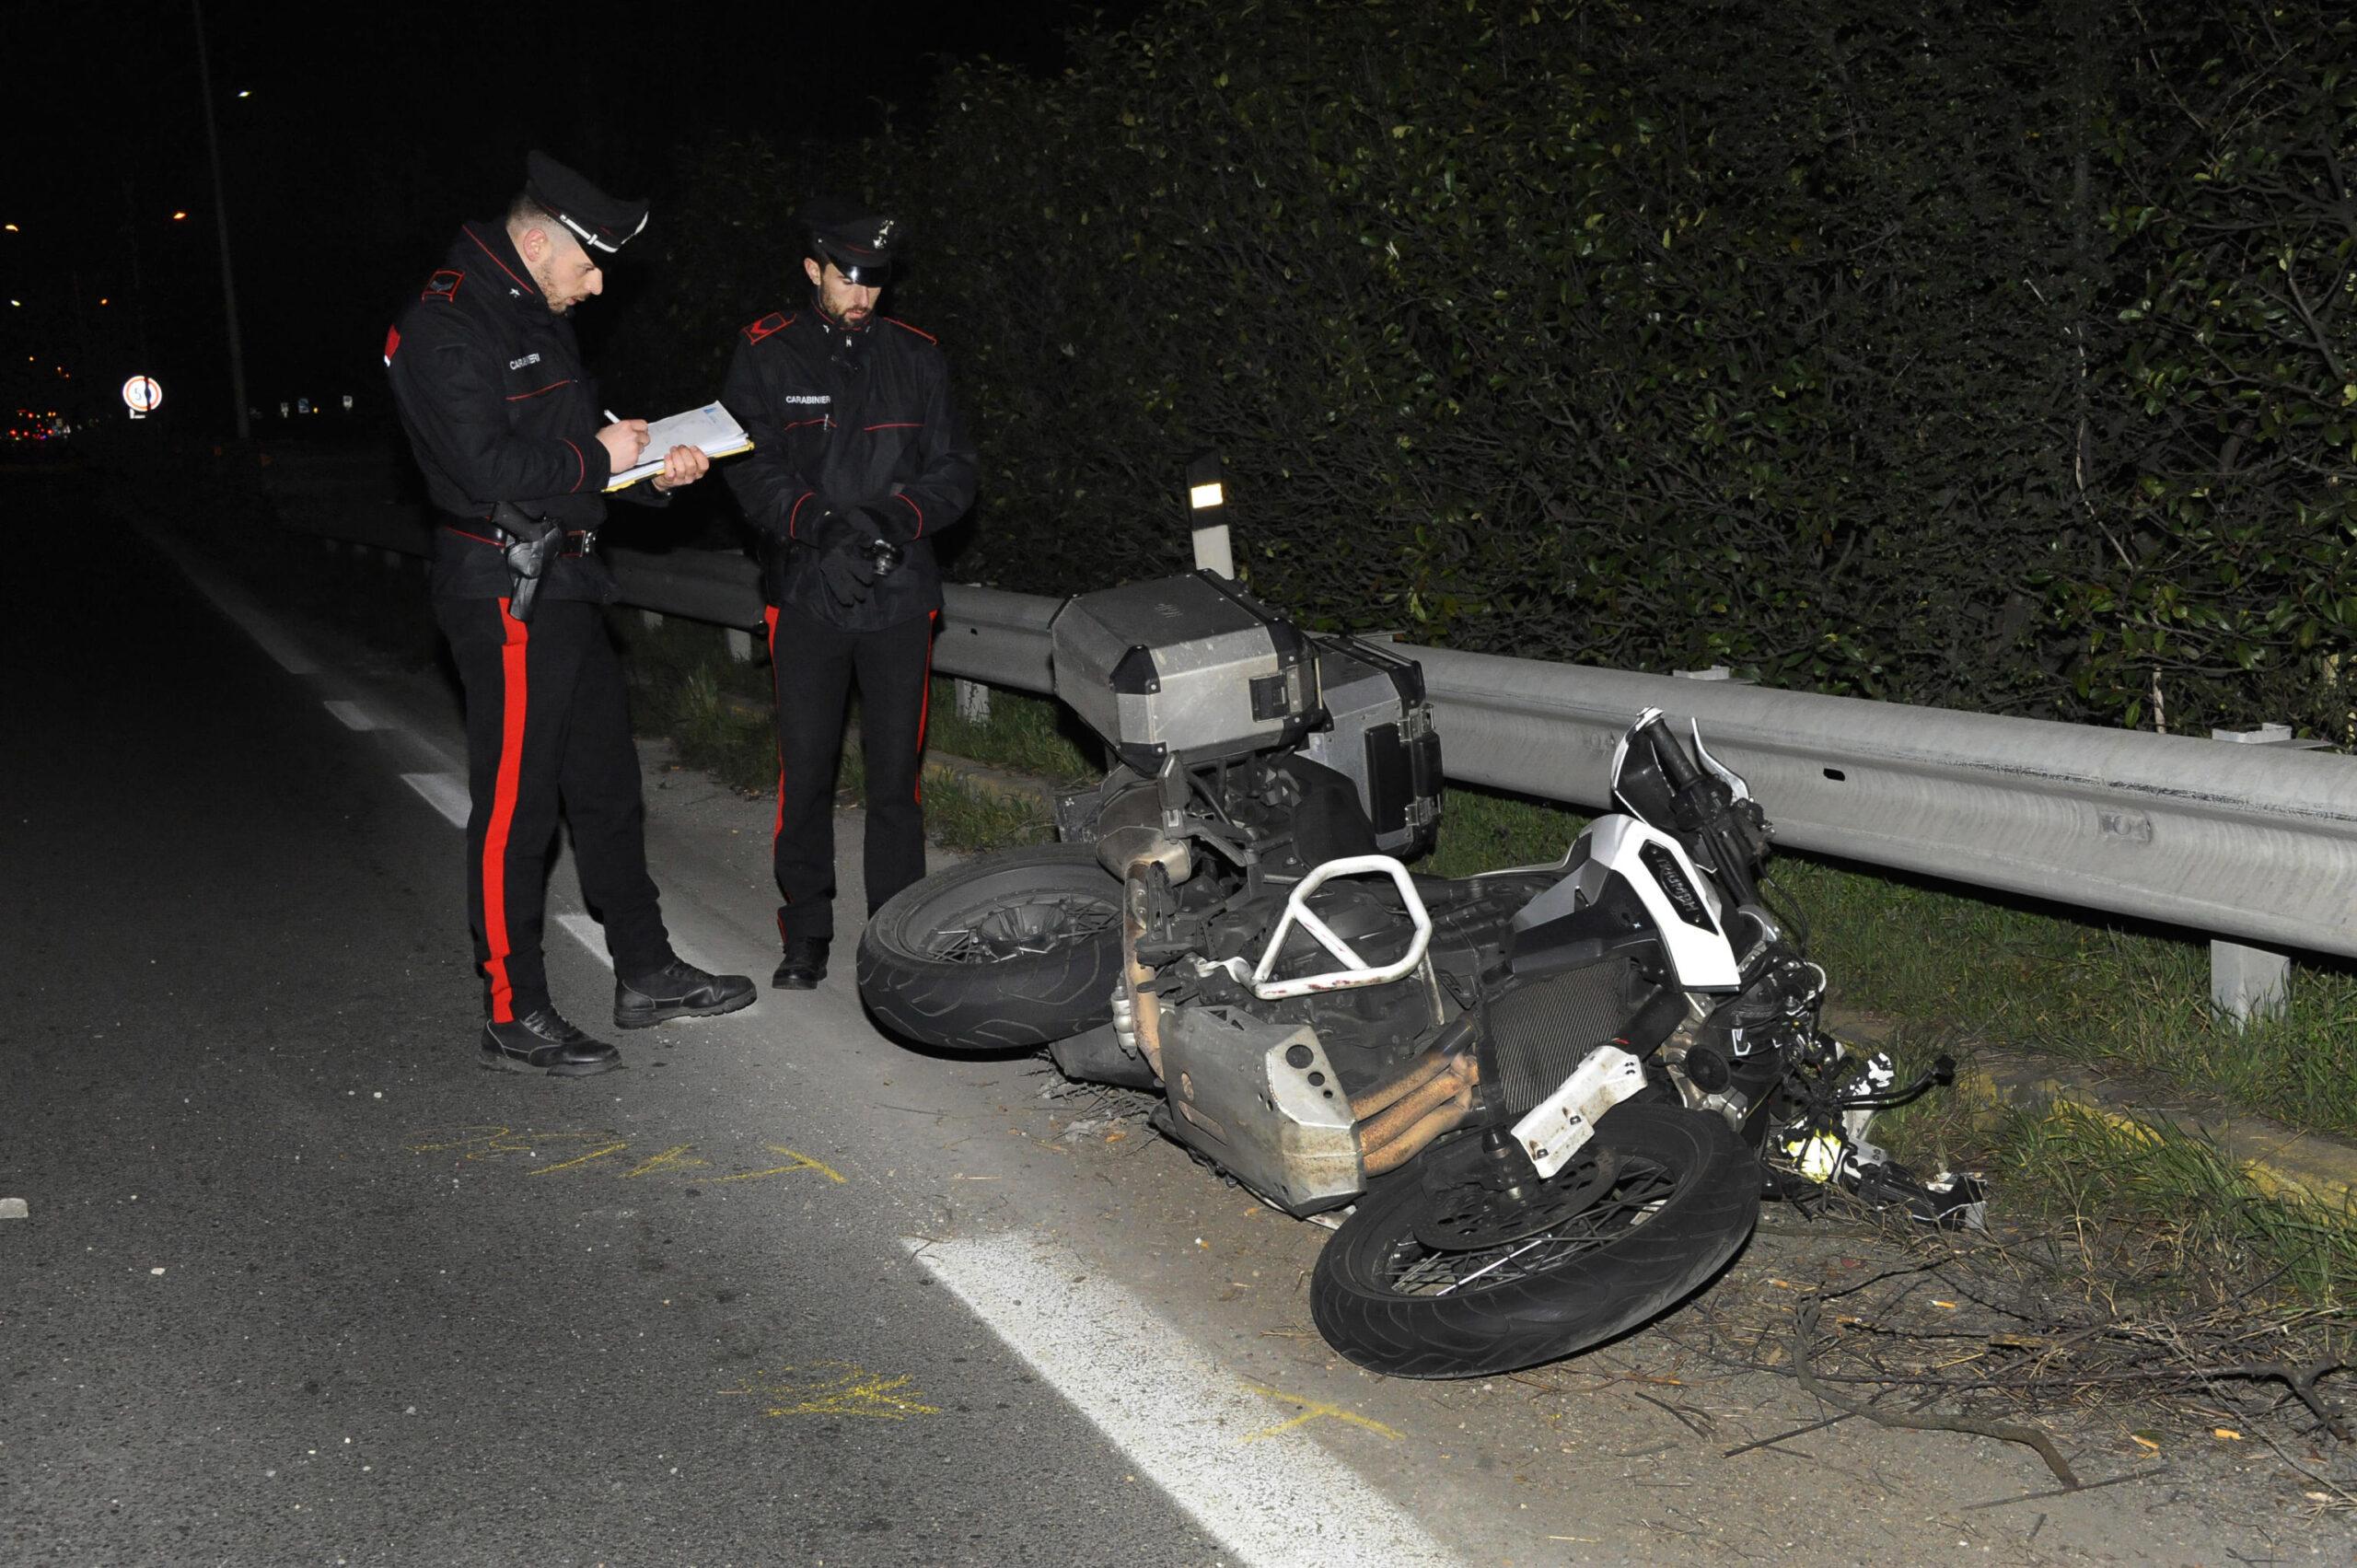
[(924, 706), (513, 695), (769, 617)]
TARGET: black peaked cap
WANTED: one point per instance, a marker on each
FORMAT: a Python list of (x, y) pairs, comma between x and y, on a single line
[(603, 224), (860, 243)]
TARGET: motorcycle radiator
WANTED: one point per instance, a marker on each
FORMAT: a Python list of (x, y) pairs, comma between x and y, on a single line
[(1536, 1034)]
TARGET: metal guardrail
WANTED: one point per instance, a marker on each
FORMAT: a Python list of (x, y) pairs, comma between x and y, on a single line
[(2255, 843)]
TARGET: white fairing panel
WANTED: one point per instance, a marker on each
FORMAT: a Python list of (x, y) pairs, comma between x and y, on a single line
[(1691, 928)]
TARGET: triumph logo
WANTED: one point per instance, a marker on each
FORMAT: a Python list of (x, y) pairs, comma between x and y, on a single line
[(1671, 879)]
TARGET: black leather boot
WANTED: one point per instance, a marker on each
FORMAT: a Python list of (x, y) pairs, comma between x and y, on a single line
[(805, 964), (542, 1041), (678, 990)]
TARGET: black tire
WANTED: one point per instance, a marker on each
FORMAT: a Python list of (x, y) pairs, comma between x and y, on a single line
[(1372, 1292), (1009, 950)]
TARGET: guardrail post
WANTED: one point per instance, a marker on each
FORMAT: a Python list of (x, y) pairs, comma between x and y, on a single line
[(2252, 982), (2249, 982), (740, 643), (973, 701)]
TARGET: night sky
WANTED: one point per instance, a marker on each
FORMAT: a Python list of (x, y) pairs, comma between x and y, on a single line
[(369, 134)]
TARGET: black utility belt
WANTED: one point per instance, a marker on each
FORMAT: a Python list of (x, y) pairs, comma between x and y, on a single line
[(577, 541)]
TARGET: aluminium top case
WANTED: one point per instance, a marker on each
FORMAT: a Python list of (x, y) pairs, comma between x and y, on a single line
[(1190, 667)]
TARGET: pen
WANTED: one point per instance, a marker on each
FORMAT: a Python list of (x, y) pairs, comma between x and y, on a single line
[(612, 418)]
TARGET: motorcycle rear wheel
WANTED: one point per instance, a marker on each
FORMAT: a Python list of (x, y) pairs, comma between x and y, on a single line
[(1014, 949), (1683, 1199)]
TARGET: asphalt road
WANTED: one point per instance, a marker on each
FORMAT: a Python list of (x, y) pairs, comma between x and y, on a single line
[(299, 1282), (286, 1293)]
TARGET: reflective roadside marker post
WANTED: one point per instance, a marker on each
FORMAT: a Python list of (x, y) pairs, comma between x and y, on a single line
[(1207, 500), (142, 396)]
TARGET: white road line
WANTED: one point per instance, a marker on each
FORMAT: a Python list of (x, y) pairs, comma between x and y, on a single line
[(446, 793), (1273, 1502), (352, 715), (589, 934)]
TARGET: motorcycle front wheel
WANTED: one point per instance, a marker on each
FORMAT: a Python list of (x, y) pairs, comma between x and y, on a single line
[(1014, 949), (1676, 1195)]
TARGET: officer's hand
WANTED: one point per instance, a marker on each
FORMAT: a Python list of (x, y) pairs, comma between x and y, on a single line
[(836, 526), (682, 465), (847, 574), (623, 440)]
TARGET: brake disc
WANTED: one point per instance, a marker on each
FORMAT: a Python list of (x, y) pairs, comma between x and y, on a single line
[(1469, 1214)]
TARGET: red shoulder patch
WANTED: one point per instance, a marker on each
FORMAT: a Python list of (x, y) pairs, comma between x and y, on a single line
[(776, 322), (443, 284), (918, 331)]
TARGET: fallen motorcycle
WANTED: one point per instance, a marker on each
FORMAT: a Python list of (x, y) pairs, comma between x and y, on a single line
[(1543, 1094)]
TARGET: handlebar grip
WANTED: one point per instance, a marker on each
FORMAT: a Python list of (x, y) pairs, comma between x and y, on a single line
[(1676, 767)]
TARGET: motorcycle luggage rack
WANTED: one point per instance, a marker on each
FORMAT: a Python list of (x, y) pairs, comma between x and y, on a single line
[(1357, 970)]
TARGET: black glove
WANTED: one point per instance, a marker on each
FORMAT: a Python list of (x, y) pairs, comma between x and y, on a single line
[(848, 572), (838, 526)]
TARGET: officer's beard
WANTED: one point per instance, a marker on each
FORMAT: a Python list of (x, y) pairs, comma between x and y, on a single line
[(847, 323)]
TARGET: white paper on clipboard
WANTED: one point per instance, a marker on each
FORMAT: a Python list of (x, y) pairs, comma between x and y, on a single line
[(711, 428)]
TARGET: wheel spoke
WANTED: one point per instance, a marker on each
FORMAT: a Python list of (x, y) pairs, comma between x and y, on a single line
[(1634, 1198), (1038, 924)]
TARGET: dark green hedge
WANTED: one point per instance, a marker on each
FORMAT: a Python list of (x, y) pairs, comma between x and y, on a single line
[(1996, 357)]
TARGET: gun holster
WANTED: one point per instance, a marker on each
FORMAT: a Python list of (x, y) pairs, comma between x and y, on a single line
[(530, 543)]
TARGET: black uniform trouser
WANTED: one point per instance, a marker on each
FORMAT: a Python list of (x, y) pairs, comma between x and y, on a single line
[(547, 730), (814, 666)]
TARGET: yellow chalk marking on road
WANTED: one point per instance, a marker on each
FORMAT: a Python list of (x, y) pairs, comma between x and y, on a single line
[(1310, 1410), (490, 1141), (669, 1159), (801, 1162), (836, 1388), (529, 1142), (579, 1159)]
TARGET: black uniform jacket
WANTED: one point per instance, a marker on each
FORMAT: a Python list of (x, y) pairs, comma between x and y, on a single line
[(491, 389), (842, 419)]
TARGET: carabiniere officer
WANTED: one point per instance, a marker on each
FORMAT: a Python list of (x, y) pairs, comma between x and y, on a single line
[(505, 426), (858, 462)]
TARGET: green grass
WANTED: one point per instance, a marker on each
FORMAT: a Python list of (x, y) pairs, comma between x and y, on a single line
[(715, 711), (2146, 1210), (1024, 734), (2108, 995)]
